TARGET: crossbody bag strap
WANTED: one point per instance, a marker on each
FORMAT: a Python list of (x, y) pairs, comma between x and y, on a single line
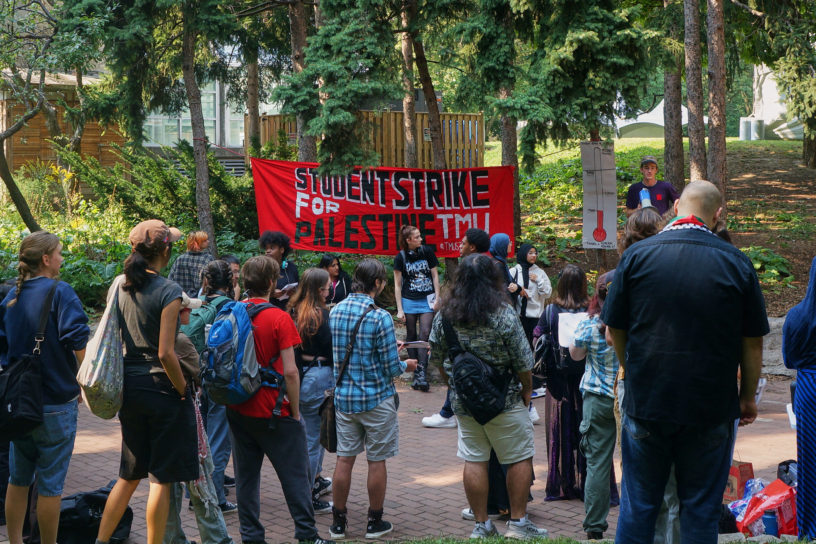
[(350, 345), (451, 338), (39, 338)]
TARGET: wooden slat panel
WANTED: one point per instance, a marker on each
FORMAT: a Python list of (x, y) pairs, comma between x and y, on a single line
[(463, 137)]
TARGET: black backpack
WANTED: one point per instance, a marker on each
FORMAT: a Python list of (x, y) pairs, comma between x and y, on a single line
[(480, 387)]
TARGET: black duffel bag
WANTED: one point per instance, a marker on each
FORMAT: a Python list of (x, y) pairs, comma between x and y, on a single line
[(81, 513)]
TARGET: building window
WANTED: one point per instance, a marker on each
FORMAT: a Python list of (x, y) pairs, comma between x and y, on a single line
[(166, 131)]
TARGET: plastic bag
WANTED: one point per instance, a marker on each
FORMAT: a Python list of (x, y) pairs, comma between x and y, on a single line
[(777, 496), (752, 487), (101, 374)]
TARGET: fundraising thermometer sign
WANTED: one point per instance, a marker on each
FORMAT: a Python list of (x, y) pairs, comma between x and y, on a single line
[(363, 211), (600, 195)]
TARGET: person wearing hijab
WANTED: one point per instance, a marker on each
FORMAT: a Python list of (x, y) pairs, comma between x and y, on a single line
[(534, 288), (799, 353)]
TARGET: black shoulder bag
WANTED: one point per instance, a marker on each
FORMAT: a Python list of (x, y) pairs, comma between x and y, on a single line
[(328, 415), (21, 395), (480, 387)]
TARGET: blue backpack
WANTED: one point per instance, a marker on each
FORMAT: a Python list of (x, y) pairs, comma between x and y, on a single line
[(230, 372)]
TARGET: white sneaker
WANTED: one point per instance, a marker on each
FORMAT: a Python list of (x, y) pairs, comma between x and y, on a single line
[(534, 417), (467, 514), (537, 393), (481, 530), (524, 529), (437, 421)]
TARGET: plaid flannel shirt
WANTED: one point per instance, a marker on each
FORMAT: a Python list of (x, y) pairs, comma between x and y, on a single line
[(601, 361), (374, 362), (186, 271)]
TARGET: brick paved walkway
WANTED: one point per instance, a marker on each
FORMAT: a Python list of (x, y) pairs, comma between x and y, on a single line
[(425, 495)]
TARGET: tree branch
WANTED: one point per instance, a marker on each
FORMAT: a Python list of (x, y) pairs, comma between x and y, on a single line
[(749, 9)]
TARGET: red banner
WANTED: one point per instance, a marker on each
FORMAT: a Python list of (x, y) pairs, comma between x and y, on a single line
[(363, 211)]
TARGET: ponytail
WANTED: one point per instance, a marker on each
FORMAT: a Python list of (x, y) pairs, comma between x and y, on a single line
[(32, 249), (137, 263)]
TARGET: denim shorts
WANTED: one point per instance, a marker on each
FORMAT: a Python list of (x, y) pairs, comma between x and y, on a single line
[(45, 450)]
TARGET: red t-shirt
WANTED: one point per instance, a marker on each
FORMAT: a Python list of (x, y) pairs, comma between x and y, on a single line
[(274, 331)]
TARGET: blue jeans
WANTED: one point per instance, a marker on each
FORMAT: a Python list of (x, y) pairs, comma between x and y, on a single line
[(45, 450), (315, 382), (447, 409), (701, 460), (220, 445)]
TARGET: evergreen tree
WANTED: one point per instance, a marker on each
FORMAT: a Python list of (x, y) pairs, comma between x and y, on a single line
[(589, 63), (354, 60)]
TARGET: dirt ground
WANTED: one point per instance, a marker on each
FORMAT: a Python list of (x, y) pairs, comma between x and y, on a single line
[(772, 204)]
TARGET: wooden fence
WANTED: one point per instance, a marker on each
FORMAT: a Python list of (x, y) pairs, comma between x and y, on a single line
[(462, 136)]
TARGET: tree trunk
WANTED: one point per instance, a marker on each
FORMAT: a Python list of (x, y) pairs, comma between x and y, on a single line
[(202, 171), (717, 168), (809, 151), (75, 143), (509, 141), (14, 192), (307, 147), (408, 109), (253, 101), (434, 122), (318, 14), (673, 153), (694, 91)]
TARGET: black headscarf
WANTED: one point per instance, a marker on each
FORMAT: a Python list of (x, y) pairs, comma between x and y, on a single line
[(521, 260)]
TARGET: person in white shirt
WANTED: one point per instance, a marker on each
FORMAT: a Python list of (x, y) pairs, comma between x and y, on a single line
[(534, 288)]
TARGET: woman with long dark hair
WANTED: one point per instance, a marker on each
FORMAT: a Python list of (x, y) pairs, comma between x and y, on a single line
[(476, 310), (416, 285), (563, 403), (157, 418), (340, 285), (46, 449), (314, 357)]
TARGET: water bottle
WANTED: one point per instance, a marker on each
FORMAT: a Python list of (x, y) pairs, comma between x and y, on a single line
[(770, 522), (645, 198)]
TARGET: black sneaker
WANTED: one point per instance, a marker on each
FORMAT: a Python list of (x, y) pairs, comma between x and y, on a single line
[(228, 507), (321, 487), (317, 540), (377, 528), (229, 481), (321, 507), (337, 530)]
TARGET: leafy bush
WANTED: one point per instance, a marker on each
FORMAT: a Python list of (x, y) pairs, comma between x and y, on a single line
[(772, 269), (94, 243), (151, 185)]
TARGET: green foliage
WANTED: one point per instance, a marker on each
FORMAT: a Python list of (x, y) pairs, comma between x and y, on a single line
[(150, 185), (280, 149), (353, 57), (773, 269), (589, 63), (94, 246)]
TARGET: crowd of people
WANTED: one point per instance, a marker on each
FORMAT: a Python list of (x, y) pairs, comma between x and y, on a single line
[(658, 323)]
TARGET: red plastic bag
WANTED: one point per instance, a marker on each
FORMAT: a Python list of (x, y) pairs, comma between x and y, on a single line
[(776, 496)]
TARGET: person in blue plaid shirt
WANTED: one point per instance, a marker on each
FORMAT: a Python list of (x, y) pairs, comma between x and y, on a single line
[(365, 400), (598, 427)]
